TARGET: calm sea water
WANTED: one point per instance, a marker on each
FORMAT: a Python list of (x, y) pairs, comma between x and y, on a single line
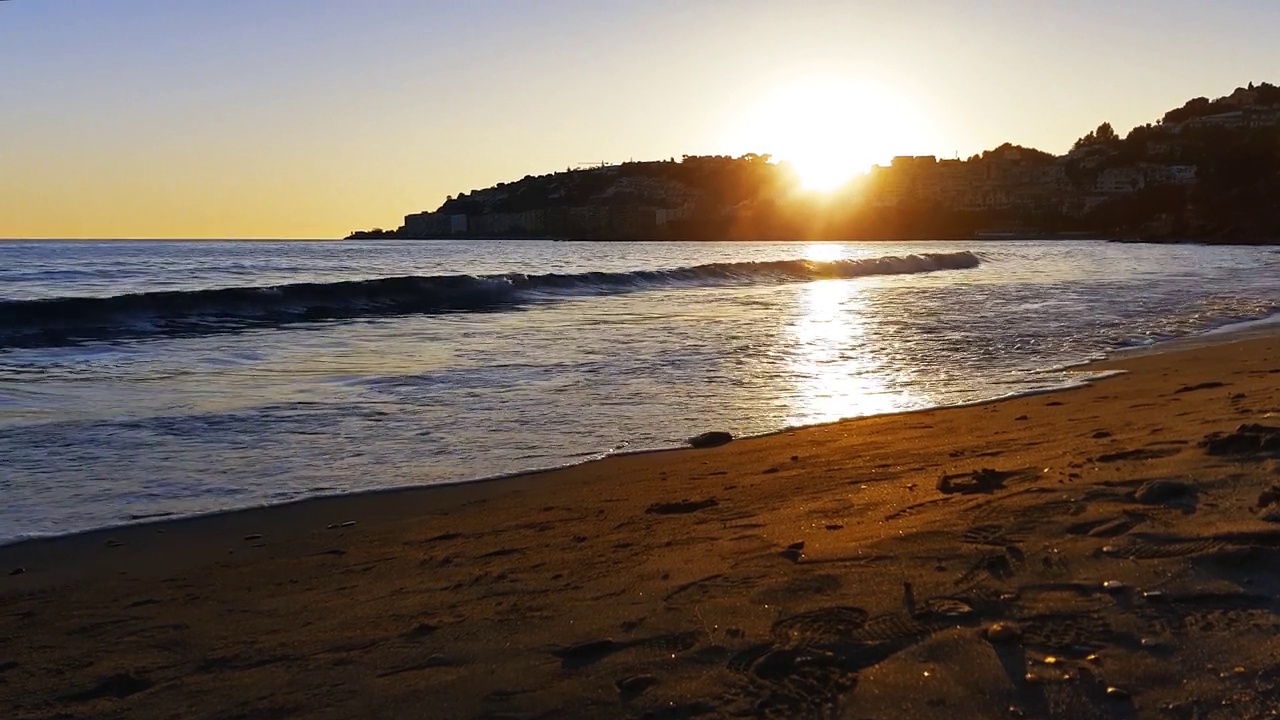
[(146, 380)]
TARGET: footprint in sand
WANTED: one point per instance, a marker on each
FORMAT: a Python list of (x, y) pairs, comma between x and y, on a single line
[(1155, 548), (1139, 454), (1068, 634), (682, 507), (1201, 386), (1210, 612)]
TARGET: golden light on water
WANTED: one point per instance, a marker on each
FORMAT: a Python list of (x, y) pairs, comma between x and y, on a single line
[(830, 130), (837, 367)]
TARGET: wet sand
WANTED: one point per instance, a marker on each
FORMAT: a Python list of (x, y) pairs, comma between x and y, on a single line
[(1106, 552)]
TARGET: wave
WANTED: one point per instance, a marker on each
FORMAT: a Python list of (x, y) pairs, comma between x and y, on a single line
[(71, 320)]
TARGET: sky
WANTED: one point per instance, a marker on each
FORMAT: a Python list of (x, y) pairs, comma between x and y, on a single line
[(311, 118)]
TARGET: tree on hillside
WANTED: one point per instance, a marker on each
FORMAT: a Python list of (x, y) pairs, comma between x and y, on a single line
[(1103, 135), (1193, 108)]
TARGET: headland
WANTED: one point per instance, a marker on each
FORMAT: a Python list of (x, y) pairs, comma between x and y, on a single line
[(1208, 171)]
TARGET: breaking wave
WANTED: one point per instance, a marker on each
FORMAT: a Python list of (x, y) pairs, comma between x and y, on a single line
[(71, 320)]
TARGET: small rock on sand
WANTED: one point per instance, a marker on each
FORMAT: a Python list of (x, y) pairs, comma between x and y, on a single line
[(1247, 439), (1157, 492), (794, 552), (979, 481), (710, 439), (1002, 632), (1269, 497)]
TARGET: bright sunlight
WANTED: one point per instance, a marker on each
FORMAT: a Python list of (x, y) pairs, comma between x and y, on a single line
[(824, 252), (831, 130)]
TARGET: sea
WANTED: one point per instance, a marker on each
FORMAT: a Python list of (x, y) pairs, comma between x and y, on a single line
[(148, 380)]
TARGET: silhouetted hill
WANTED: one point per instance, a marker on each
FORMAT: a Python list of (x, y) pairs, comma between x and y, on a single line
[(1208, 171)]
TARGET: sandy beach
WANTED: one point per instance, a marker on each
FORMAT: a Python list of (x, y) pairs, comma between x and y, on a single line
[(1103, 552)]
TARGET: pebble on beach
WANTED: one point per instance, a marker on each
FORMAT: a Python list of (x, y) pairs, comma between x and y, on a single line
[(1157, 492), (1003, 632), (1116, 693), (710, 439)]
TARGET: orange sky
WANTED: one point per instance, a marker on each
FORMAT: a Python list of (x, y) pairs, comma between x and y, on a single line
[(147, 118)]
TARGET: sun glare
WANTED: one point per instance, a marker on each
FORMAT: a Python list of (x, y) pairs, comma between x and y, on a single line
[(824, 252), (831, 130)]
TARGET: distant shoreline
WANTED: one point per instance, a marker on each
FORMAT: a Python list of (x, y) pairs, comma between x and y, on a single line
[(1014, 237)]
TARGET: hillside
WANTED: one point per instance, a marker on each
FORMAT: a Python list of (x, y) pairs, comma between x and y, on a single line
[(1208, 170)]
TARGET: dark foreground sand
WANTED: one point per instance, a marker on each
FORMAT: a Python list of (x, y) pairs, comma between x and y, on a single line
[(820, 573)]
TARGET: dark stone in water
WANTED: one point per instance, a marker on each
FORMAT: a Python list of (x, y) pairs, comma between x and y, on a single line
[(710, 439), (1158, 492)]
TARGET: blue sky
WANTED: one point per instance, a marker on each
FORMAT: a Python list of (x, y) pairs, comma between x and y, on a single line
[(303, 119)]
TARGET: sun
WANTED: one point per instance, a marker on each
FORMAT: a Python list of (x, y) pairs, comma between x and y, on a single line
[(830, 130)]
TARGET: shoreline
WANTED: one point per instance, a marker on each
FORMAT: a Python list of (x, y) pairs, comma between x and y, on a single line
[(1230, 332), (850, 566), (595, 458)]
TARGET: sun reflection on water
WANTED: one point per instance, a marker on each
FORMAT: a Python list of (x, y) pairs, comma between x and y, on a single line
[(838, 369)]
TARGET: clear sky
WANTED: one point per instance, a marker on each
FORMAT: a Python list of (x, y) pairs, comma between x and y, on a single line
[(310, 118)]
